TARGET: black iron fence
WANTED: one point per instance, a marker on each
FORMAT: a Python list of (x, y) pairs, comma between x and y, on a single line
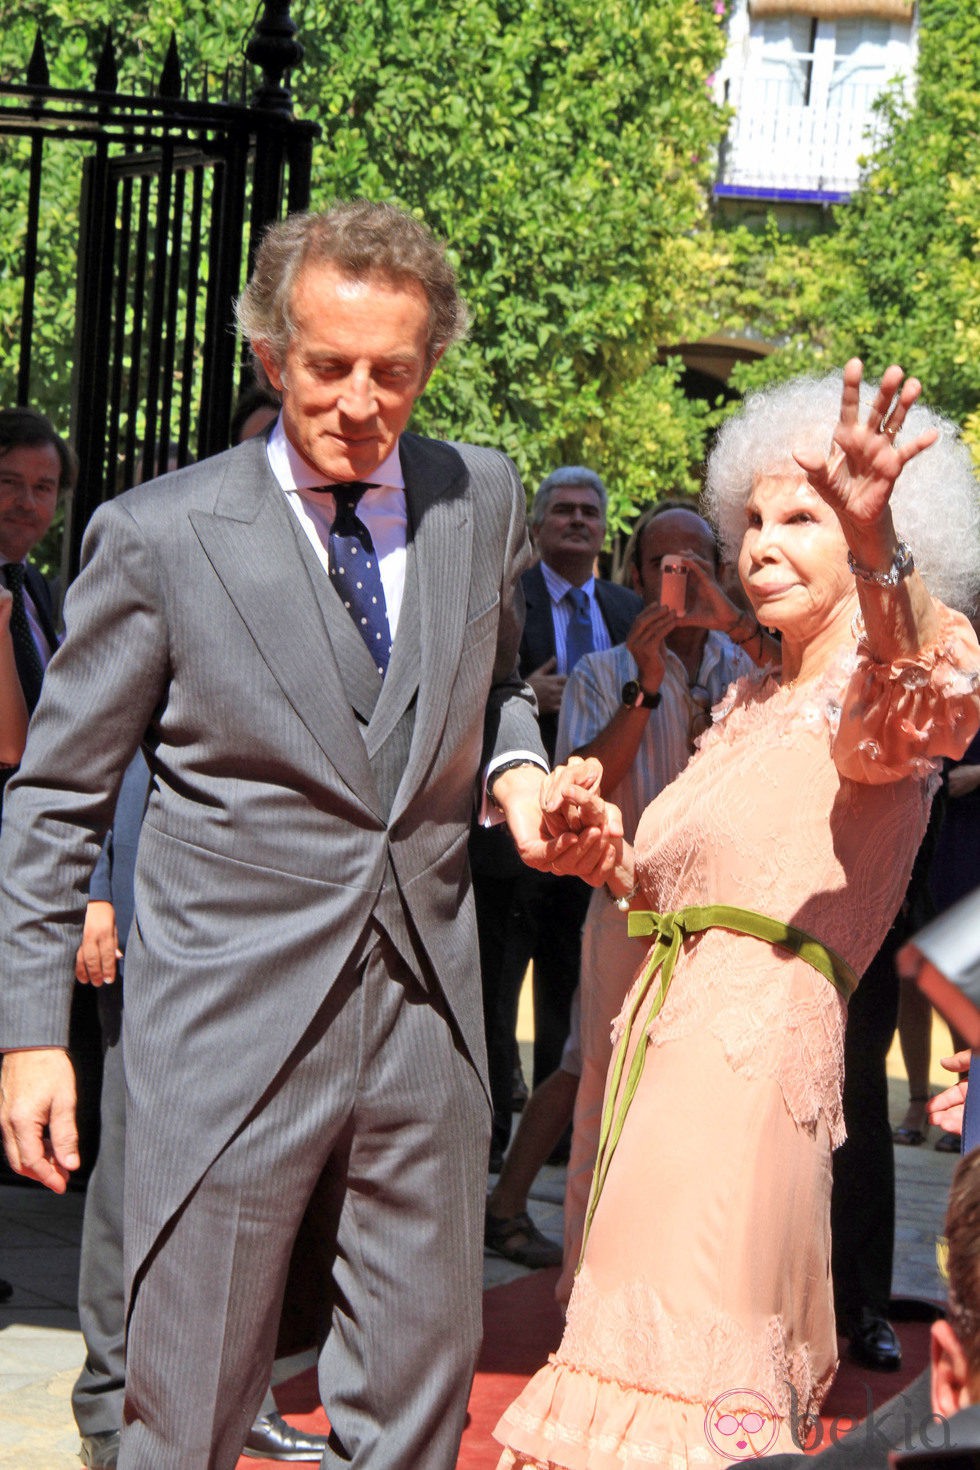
[(155, 204)]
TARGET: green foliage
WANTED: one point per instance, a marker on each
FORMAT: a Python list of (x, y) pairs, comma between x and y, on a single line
[(566, 161)]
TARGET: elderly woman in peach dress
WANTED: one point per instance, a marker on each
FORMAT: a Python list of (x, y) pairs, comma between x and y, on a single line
[(700, 1329)]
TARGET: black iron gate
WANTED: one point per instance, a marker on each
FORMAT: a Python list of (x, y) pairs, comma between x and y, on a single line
[(172, 196)]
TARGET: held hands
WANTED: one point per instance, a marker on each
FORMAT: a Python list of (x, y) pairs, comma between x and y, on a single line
[(857, 478), (560, 823), (37, 1115)]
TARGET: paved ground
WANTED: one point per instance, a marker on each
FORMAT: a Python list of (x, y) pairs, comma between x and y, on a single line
[(41, 1348)]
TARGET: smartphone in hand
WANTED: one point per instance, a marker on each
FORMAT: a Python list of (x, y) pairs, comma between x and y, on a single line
[(673, 584)]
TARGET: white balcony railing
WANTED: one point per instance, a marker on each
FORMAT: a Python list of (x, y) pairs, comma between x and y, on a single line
[(779, 145)]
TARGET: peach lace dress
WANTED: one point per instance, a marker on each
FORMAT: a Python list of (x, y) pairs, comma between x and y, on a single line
[(701, 1327)]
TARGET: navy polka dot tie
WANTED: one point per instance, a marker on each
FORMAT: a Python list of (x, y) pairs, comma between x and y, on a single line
[(355, 574)]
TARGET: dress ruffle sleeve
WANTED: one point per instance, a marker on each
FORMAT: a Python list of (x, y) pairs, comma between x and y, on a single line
[(898, 719)]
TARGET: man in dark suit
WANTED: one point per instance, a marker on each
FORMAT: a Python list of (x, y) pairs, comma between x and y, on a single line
[(36, 465), (524, 915), (314, 637)]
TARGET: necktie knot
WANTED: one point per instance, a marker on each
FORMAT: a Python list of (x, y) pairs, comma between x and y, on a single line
[(13, 573), (346, 521)]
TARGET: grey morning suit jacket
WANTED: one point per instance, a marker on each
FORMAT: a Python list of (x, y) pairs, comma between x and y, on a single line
[(279, 821)]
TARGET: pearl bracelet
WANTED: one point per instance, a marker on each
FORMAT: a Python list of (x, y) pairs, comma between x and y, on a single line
[(624, 901)]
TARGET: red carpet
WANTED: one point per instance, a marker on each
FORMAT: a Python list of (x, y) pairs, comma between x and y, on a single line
[(522, 1325)]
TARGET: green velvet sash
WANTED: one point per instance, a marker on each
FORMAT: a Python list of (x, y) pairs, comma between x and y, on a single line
[(671, 931)]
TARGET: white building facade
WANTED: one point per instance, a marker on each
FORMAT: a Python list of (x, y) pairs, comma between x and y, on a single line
[(802, 77)]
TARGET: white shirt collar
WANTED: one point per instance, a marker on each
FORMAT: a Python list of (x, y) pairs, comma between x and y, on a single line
[(294, 472), (557, 586)]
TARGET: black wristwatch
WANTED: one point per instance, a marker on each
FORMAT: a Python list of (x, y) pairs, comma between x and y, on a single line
[(636, 697)]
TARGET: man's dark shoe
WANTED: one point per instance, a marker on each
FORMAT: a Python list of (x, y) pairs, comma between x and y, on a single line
[(6, 1290), (271, 1438), (100, 1451), (873, 1342)]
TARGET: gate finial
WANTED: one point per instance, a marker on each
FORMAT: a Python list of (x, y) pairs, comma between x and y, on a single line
[(107, 74), (170, 83), (274, 48), (37, 68)]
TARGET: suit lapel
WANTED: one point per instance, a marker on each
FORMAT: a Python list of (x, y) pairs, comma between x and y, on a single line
[(255, 547), (539, 627), (439, 517), (610, 616)]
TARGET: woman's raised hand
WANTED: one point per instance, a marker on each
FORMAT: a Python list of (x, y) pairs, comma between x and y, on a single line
[(858, 476)]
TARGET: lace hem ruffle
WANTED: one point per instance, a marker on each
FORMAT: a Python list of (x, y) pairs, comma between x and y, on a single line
[(569, 1419), (628, 1337)]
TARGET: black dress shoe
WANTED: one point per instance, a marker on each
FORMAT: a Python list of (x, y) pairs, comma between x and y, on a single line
[(271, 1438), (100, 1451), (873, 1342)]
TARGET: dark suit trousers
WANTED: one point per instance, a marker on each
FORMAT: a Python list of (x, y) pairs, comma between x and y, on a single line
[(97, 1398), (506, 942), (555, 909), (523, 916), (381, 1115), (862, 1210)]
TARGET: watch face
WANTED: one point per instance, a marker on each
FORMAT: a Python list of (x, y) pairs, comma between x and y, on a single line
[(632, 693)]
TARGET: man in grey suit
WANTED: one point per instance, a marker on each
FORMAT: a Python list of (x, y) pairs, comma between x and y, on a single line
[(315, 639)]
